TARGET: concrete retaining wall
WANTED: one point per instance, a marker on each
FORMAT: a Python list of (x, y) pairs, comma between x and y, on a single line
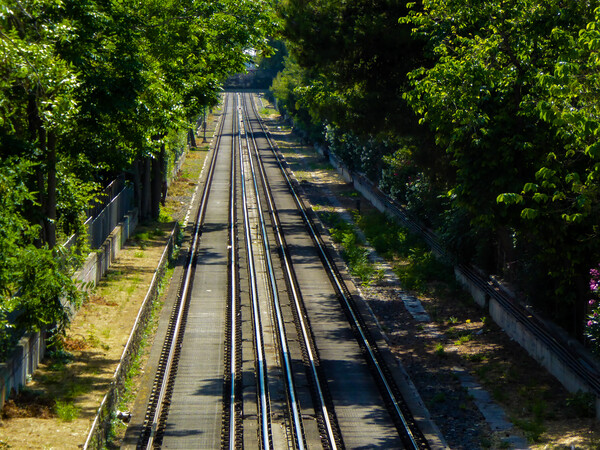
[(98, 262), (533, 344), (480, 297), (18, 368)]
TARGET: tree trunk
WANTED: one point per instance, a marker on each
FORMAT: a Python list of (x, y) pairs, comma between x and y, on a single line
[(146, 190), (137, 185), (37, 133), (505, 253), (192, 138), (157, 181), (580, 307), (39, 211), (51, 193)]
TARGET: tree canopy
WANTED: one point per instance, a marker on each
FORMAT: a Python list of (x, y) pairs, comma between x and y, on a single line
[(90, 89), (479, 116)]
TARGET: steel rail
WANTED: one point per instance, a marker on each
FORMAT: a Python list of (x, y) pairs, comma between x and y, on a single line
[(261, 362), (295, 294), (173, 340), (387, 384), (233, 293), (285, 353)]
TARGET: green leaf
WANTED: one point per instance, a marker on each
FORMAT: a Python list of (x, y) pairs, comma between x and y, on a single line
[(593, 151), (529, 213), (509, 198), (573, 218)]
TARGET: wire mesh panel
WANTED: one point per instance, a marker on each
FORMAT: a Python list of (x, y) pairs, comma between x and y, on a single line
[(102, 225)]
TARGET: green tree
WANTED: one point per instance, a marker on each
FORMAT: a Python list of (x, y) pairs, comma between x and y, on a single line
[(357, 56), (484, 100), (37, 92), (90, 89)]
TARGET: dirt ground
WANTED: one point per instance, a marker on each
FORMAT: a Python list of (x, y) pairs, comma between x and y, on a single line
[(58, 406)]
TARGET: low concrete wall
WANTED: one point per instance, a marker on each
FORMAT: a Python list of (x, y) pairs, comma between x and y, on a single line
[(480, 297), (15, 372), (98, 262)]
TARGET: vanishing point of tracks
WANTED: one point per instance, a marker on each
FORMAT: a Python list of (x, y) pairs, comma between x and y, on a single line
[(266, 347)]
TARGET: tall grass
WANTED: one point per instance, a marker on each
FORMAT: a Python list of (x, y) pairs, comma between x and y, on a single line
[(414, 263), (354, 251)]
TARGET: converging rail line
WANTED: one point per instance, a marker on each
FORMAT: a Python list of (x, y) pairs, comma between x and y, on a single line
[(266, 347)]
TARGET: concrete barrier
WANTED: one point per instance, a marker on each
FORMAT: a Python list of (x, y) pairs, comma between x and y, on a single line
[(18, 368), (99, 261)]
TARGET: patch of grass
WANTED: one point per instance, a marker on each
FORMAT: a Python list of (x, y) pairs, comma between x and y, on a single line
[(92, 370), (463, 339), (66, 411), (94, 341), (533, 429), (539, 408), (357, 258), (477, 357), (418, 265), (139, 254), (164, 216), (353, 251), (158, 232), (133, 285), (485, 442), (439, 397), (166, 213), (482, 372), (58, 359), (422, 268), (582, 404), (142, 238), (499, 394), (79, 386), (439, 349)]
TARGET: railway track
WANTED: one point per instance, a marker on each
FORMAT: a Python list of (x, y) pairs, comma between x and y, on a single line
[(266, 346)]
